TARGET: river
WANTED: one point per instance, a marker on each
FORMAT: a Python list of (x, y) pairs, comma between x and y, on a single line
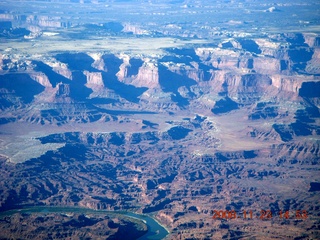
[(155, 230)]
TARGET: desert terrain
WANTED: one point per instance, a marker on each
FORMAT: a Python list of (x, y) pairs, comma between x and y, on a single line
[(203, 116)]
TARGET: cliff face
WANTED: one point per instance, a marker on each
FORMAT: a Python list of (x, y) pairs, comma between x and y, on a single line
[(241, 71), (147, 76), (177, 133), (94, 79), (238, 67), (246, 70), (42, 79)]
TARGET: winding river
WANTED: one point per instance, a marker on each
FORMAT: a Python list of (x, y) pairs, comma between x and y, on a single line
[(155, 230)]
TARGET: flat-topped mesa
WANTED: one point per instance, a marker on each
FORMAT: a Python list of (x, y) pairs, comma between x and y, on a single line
[(287, 84), (245, 70), (134, 29), (246, 63), (148, 76), (312, 40), (63, 90), (94, 79), (46, 21), (140, 72), (266, 65), (246, 77)]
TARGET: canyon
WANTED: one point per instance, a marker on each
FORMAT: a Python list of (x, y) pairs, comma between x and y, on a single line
[(152, 119)]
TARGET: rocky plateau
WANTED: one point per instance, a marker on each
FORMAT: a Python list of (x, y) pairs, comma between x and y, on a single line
[(230, 123)]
